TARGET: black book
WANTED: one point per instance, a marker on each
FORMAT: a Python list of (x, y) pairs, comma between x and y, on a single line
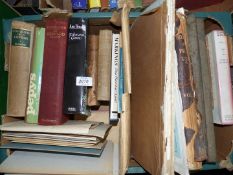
[(75, 83)]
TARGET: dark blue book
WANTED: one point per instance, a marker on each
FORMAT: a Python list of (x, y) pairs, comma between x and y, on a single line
[(79, 4)]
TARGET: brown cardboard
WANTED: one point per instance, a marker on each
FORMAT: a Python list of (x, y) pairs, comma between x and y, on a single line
[(148, 75)]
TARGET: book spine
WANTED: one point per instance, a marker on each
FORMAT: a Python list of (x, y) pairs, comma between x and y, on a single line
[(35, 77), (19, 67), (206, 79), (75, 94), (79, 4), (51, 99), (138, 3), (115, 77), (92, 70), (94, 5), (104, 5), (220, 60), (191, 115), (104, 65), (200, 142), (121, 78), (113, 4)]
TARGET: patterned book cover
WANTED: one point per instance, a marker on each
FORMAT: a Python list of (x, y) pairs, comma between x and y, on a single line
[(35, 77), (75, 93), (51, 99), (113, 4), (19, 67), (79, 4)]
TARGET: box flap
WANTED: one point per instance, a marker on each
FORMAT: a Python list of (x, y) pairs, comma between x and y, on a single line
[(148, 77)]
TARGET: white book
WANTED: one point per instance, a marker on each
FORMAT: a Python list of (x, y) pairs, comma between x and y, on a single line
[(115, 70), (220, 77)]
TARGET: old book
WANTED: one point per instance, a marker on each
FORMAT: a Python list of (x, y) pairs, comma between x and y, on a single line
[(92, 69), (104, 5), (207, 95), (115, 77), (200, 142), (19, 67), (104, 65), (75, 85), (220, 76), (94, 5), (51, 99), (191, 116), (35, 77)]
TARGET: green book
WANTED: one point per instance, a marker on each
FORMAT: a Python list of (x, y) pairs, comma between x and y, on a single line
[(138, 3), (35, 77)]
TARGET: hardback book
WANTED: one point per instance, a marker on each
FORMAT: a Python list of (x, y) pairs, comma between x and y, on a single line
[(80, 5), (104, 65), (104, 5), (75, 87), (35, 77), (220, 76), (121, 77), (19, 67), (94, 5), (92, 70), (113, 4), (51, 99), (115, 77), (191, 115)]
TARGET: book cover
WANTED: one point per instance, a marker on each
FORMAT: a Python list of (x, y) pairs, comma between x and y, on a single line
[(19, 67), (35, 77), (115, 77), (104, 5), (94, 5), (79, 4), (75, 94), (92, 70), (220, 76), (113, 4), (138, 4), (121, 78), (51, 99), (104, 65)]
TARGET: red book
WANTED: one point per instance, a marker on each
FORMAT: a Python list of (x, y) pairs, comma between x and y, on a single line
[(51, 99), (190, 5)]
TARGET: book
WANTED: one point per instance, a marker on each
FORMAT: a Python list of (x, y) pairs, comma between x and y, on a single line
[(104, 65), (51, 99), (115, 77), (113, 4), (121, 77), (220, 76), (19, 67), (94, 5), (138, 4), (92, 70), (35, 77), (75, 87), (104, 5), (79, 5), (191, 116)]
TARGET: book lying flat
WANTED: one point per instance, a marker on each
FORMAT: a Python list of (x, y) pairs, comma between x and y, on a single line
[(54, 149), (25, 162)]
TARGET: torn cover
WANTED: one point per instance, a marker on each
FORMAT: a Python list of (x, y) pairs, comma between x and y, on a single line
[(152, 50)]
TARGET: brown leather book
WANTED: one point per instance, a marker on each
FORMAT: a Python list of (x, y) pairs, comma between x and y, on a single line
[(104, 65), (51, 99), (19, 67), (92, 70)]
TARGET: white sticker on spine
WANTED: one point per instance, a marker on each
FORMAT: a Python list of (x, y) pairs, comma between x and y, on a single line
[(83, 81)]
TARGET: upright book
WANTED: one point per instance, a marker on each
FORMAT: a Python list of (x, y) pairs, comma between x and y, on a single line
[(94, 5), (115, 72), (75, 87), (51, 99), (104, 5), (35, 77), (19, 67), (220, 76)]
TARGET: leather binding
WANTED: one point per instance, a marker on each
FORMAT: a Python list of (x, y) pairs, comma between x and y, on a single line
[(93, 46), (35, 77), (75, 96), (51, 100), (104, 65), (19, 67)]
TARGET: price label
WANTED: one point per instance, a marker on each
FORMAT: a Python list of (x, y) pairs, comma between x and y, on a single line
[(83, 81)]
